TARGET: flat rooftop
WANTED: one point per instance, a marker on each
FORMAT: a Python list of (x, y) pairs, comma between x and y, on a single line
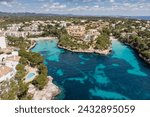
[(5, 70), (13, 58)]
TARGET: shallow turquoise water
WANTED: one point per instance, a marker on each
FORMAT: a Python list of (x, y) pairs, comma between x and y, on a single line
[(123, 52), (121, 75)]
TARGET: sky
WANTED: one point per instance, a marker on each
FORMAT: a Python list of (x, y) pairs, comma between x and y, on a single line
[(79, 7)]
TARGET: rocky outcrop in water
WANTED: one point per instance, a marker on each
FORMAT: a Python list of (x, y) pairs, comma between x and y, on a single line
[(48, 93)]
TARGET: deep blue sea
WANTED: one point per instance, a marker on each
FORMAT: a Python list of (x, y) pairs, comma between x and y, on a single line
[(139, 17), (120, 75), (134, 17)]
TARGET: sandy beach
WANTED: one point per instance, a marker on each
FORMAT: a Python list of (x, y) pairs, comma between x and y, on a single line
[(42, 38), (112, 38)]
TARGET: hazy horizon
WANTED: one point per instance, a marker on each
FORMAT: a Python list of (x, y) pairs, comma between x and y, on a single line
[(78, 7)]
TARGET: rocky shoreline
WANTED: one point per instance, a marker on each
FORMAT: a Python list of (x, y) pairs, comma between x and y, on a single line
[(140, 55), (32, 45), (136, 49), (102, 52), (146, 60), (50, 90), (42, 38), (48, 93)]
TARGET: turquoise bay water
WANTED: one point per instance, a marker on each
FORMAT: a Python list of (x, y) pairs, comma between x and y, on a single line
[(121, 75)]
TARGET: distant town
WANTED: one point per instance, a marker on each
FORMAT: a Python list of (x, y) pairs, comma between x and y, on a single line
[(86, 35)]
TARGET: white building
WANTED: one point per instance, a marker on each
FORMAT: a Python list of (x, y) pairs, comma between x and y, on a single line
[(3, 44), (8, 65), (113, 25), (91, 34), (63, 24), (6, 73), (14, 27), (76, 31), (12, 62), (16, 34)]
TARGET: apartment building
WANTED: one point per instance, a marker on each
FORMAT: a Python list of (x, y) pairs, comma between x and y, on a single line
[(16, 33), (76, 31), (92, 34)]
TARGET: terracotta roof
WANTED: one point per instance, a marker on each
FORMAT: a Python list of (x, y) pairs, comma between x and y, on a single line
[(5, 70)]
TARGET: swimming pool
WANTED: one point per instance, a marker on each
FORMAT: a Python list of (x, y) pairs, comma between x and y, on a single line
[(30, 76)]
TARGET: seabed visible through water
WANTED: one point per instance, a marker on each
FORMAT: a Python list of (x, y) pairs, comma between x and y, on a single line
[(120, 75)]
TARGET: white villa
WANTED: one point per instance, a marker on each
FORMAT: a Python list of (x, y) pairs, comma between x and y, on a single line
[(6, 73), (8, 65), (3, 44), (14, 27), (91, 34)]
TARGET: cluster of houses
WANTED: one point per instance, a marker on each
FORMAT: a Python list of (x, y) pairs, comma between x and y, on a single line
[(86, 31), (9, 59), (81, 32), (36, 28), (28, 28), (20, 30), (135, 25), (133, 29), (89, 31)]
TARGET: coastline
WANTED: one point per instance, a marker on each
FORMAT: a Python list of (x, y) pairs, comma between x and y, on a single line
[(96, 51), (44, 94), (33, 44), (33, 41), (102, 52), (42, 38), (50, 90), (139, 54), (134, 48), (146, 60), (48, 93)]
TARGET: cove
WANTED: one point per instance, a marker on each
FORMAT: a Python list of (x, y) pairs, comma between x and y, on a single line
[(82, 76)]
